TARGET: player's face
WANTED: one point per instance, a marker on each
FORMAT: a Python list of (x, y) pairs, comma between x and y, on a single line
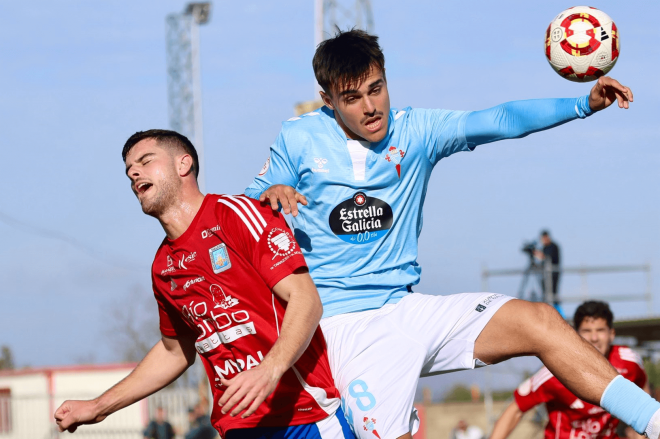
[(153, 175), (596, 332), (362, 110)]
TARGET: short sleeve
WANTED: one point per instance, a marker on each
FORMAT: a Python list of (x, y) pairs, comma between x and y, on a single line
[(262, 236), (634, 366), (535, 390), (442, 131)]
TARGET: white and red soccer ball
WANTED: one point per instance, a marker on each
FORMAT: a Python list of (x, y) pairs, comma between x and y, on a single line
[(582, 44)]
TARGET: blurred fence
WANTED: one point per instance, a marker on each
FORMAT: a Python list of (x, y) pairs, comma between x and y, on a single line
[(31, 417)]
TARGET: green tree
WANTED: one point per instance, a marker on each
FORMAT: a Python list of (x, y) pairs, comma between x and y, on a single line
[(458, 393), (653, 372), (6, 358)]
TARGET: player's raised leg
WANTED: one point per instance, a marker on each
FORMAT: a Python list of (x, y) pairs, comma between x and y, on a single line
[(524, 328)]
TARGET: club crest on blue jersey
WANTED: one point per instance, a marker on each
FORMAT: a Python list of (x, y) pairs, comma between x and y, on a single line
[(394, 155), (361, 219), (219, 258)]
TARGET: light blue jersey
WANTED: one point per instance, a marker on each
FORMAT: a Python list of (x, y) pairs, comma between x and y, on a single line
[(359, 231)]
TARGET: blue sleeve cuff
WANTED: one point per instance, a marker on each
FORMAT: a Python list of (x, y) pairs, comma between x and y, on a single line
[(582, 107)]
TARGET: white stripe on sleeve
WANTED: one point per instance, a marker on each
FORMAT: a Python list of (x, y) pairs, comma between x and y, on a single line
[(247, 211), (240, 214), (254, 209)]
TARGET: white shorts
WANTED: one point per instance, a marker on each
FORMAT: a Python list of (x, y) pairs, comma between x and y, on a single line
[(377, 356)]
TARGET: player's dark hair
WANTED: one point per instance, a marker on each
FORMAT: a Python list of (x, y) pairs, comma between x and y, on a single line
[(166, 138), (595, 310), (346, 59)]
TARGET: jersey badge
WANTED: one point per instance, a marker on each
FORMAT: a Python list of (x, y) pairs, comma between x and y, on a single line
[(280, 242), (370, 425), (220, 298), (265, 167), (394, 155), (219, 258), (320, 162), (361, 219)]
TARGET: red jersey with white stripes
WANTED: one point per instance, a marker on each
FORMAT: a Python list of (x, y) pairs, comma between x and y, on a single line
[(215, 282), (569, 416)]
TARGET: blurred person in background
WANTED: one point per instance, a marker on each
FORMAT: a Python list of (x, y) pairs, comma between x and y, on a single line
[(465, 431), (200, 424), (568, 416), (159, 428), (232, 285), (550, 253)]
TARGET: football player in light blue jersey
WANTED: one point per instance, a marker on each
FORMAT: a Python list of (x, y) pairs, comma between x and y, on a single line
[(361, 170)]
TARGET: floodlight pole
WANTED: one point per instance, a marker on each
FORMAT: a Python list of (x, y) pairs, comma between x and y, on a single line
[(184, 77), (318, 35)]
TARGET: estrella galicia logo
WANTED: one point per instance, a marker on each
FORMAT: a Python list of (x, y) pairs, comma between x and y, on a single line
[(361, 219)]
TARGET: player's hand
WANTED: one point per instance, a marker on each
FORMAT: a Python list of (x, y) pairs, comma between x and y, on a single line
[(71, 414), (284, 195), (606, 91), (248, 390)]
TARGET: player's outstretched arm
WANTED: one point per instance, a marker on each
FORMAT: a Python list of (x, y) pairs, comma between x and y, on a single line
[(507, 422), (513, 120), (164, 363), (250, 388)]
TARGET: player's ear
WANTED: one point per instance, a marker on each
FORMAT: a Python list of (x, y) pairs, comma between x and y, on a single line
[(326, 100), (185, 165)]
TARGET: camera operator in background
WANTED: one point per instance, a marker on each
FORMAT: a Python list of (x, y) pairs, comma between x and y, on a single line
[(550, 253)]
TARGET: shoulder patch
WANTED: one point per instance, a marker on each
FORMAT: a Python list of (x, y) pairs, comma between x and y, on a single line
[(265, 167)]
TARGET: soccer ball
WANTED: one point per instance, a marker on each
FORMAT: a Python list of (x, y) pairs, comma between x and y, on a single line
[(582, 44)]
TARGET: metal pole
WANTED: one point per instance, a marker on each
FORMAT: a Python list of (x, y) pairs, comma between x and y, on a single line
[(488, 400), (547, 280), (318, 35), (649, 290), (197, 101)]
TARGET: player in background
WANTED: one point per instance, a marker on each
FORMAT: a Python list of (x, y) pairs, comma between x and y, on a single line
[(568, 416), (231, 284), (362, 169)]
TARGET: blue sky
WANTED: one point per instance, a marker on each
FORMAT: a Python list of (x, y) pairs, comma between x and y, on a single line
[(79, 77)]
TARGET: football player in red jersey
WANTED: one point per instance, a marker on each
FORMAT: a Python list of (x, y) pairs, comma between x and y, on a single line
[(232, 285), (570, 417)]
